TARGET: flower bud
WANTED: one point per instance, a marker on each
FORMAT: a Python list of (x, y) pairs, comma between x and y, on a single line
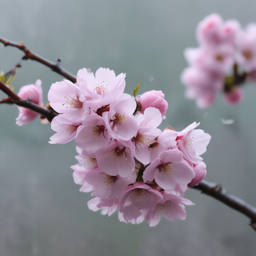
[(153, 99), (34, 94), (234, 97)]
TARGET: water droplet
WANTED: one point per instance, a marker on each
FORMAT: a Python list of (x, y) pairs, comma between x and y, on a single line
[(227, 121)]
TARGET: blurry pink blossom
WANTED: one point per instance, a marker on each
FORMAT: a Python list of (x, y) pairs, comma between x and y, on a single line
[(234, 97), (34, 94)]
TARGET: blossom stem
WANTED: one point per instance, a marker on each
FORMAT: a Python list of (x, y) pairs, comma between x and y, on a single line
[(55, 66), (15, 99), (216, 191)]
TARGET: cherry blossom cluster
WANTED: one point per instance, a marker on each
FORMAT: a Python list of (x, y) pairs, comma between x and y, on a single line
[(126, 162), (224, 60)]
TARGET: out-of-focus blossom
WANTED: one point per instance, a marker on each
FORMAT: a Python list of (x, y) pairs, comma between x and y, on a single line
[(234, 97), (224, 61), (33, 93)]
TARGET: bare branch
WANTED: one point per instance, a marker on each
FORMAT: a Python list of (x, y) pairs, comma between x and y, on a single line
[(15, 99), (56, 67), (232, 201)]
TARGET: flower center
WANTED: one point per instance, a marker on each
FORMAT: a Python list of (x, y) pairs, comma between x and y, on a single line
[(119, 153), (139, 195), (161, 208), (100, 89), (70, 129), (219, 57), (143, 139), (98, 129), (247, 54), (72, 103), (90, 163), (118, 119), (166, 169), (108, 180), (189, 143)]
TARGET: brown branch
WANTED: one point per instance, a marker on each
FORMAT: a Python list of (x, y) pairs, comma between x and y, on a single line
[(56, 67), (15, 99), (232, 201)]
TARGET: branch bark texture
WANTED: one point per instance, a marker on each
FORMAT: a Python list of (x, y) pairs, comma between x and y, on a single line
[(54, 66), (217, 192), (15, 99)]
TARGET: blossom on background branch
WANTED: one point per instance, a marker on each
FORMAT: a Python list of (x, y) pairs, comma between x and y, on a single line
[(224, 61), (56, 67)]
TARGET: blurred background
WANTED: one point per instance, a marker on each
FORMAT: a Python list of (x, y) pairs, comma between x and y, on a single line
[(42, 211)]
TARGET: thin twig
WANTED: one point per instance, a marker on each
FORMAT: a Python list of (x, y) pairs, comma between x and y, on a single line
[(55, 66), (232, 201), (15, 99)]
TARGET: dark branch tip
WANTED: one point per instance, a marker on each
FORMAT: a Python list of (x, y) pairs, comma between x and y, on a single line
[(253, 225), (56, 66)]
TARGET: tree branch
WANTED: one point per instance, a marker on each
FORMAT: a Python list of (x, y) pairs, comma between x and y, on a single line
[(232, 201), (15, 99), (56, 67)]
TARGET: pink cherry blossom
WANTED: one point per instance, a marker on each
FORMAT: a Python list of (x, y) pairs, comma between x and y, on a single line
[(65, 130), (107, 206), (246, 48), (234, 97), (201, 85), (147, 133), (67, 98), (101, 89), (212, 31), (137, 198), (106, 186), (32, 92), (166, 140), (200, 172), (120, 120), (88, 160), (92, 134), (169, 170), (153, 99), (79, 177), (219, 59), (209, 30), (116, 159), (231, 29), (192, 143), (171, 207)]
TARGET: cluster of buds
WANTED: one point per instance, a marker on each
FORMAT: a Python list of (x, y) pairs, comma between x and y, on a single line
[(224, 60), (126, 162)]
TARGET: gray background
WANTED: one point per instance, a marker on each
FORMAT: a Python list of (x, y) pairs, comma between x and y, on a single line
[(42, 211)]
